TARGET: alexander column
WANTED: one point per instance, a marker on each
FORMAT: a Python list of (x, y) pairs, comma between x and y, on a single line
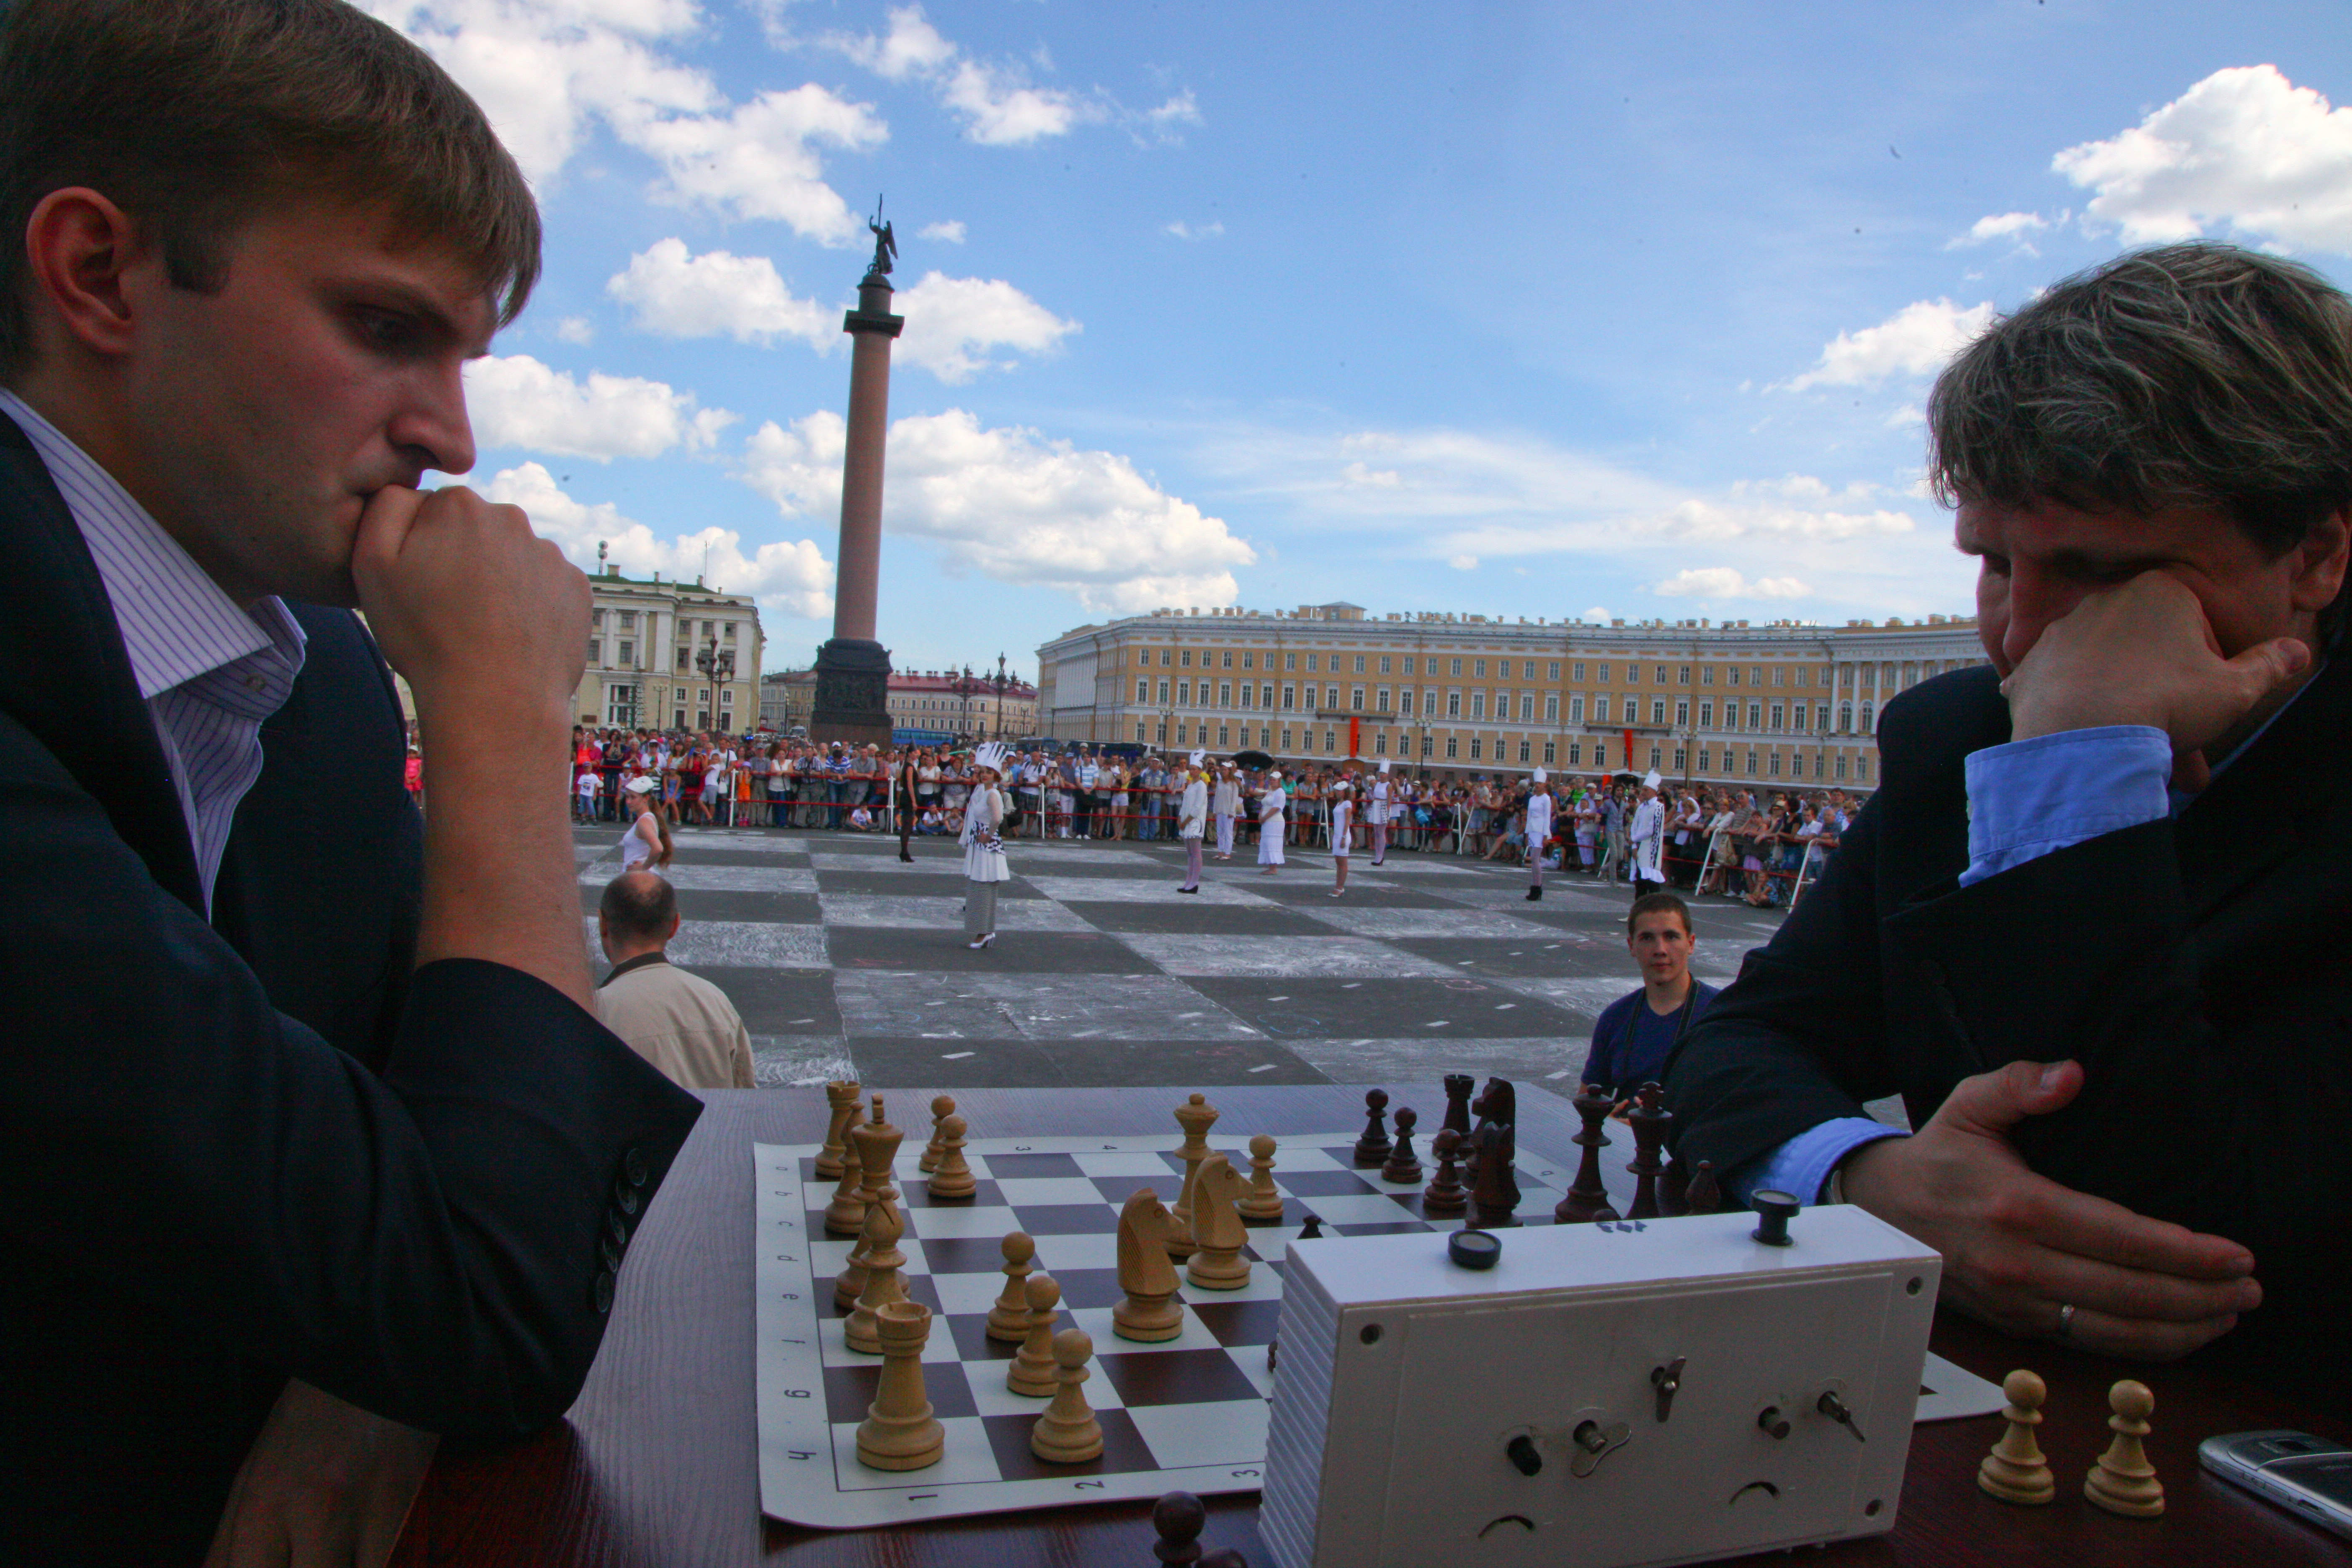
[(852, 670)]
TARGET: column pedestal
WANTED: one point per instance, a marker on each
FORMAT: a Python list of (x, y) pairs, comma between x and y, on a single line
[(852, 694)]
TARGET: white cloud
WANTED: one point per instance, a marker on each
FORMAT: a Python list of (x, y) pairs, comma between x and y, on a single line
[(2243, 150), (1359, 474), (1463, 563), (1162, 126), (1724, 583), (1183, 230), (1000, 109), (794, 578), (1597, 613), (951, 321), (2003, 225), (1014, 506), (717, 294), (951, 230), (543, 71), (1915, 340), (576, 330), (1181, 110), (757, 160), (912, 46), (516, 401)]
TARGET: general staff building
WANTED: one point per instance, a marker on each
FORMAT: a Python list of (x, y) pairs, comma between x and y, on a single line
[(1704, 703)]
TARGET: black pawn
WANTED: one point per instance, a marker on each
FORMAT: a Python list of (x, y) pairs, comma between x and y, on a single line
[(1446, 1195), (1312, 1230), (1372, 1148), (1587, 1196), (1649, 1116), (1457, 1102), (1403, 1166), (1704, 1196), (1179, 1517), (1673, 1189)]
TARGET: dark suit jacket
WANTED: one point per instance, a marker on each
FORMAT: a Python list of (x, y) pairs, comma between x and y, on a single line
[(2197, 968), (262, 1146)]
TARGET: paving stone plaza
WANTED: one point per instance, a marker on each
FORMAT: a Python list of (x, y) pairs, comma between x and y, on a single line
[(847, 963)]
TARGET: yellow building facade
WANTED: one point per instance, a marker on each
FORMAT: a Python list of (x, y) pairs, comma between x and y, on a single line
[(1786, 703), (644, 665)]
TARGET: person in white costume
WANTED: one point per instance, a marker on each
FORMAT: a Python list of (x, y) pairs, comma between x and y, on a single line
[(1343, 832), (1228, 807), (1273, 822), (983, 849), (1538, 832), (1649, 839), (1379, 820), (1192, 818)]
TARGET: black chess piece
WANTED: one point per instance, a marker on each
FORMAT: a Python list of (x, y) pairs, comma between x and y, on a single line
[(1179, 1517), (1403, 1166), (1372, 1148), (1446, 1195), (1705, 1196), (1674, 1188), (1457, 1104), (1649, 1116), (1496, 1188), (1587, 1194), (1312, 1230), (1224, 1557)]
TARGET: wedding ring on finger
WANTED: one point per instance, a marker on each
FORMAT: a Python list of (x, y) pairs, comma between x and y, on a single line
[(2064, 1333)]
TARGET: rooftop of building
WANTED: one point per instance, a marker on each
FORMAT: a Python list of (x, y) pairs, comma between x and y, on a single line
[(1217, 617), (610, 577)]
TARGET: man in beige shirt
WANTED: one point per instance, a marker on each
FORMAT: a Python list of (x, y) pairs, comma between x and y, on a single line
[(683, 1025)]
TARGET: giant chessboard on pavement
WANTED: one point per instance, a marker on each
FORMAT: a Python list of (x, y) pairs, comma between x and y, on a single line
[(847, 964)]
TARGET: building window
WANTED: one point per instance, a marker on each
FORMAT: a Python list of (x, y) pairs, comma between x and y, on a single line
[(620, 705), (1138, 731), (1551, 708), (595, 650), (1682, 716), (1221, 734), (1706, 760), (1576, 672), (1601, 709), (1862, 770), (1143, 691), (1310, 662), (1779, 715), (1662, 676), (1451, 745), (1707, 715), (1576, 754), (1751, 762), (1576, 709), (1479, 668), (1776, 765), (1285, 740), (1755, 716), (1839, 770), (1404, 703), (1289, 661), (1682, 761), (1408, 665), (1311, 699), (1706, 677), (1682, 676), (1224, 694), (1453, 705), (1868, 728), (1356, 699), (1522, 752), (1331, 741), (1657, 710), (685, 661), (1379, 742), (1477, 747), (1457, 667), (629, 624), (1845, 718), (1331, 698), (1731, 676), (1381, 698), (1779, 674), (1184, 659), (1289, 700), (1427, 742), (1477, 705), (1249, 661), (1653, 757), (1805, 676), (677, 720), (1604, 675), (1801, 715), (1384, 665), (1183, 694)]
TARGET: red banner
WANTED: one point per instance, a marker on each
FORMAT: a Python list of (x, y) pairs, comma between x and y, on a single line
[(1629, 751), (1355, 737)]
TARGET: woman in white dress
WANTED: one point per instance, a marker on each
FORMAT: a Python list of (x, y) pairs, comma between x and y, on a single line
[(1343, 832), (1273, 806), (983, 851), (1191, 819), (645, 847)]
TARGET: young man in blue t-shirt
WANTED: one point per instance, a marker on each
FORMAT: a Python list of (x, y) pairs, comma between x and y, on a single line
[(1632, 1039)]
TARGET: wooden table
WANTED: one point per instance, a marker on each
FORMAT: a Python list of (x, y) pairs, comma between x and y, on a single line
[(657, 1465)]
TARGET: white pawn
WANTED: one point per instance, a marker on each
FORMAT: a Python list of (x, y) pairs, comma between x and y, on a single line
[(1263, 1201), (952, 1178), (941, 1109), (1008, 1320), (1067, 1432), (1030, 1373), (2123, 1481), (2015, 1471)]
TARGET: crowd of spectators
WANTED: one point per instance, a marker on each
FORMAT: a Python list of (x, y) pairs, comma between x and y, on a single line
[(1726, 841)]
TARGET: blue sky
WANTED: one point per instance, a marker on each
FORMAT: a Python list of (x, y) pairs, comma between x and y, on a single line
[(1545, 309)]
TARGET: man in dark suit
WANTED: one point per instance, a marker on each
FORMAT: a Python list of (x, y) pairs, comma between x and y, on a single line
[(2093, 925), (316, 1149)]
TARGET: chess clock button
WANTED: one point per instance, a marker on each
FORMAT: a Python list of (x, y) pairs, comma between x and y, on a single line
[(1474, 1249), (1775, 1211)]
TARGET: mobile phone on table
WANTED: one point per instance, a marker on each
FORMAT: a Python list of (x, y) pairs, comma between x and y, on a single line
[(2306, 1474)]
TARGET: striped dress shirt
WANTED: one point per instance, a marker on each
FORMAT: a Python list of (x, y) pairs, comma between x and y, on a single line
[(210, 671)]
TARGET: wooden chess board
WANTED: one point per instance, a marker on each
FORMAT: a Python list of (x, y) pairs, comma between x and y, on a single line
[(1186, 1414)]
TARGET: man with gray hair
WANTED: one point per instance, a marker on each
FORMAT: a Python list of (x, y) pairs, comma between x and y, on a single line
[(2086, 927), (679, 1021)]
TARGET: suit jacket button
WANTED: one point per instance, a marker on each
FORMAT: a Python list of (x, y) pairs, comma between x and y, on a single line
[(603, 1292), (610, 1252), (633, 1166), (617, 1228), (625, 1198)]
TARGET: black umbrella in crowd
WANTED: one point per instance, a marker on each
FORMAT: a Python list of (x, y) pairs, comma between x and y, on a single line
[(1253, 759)]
